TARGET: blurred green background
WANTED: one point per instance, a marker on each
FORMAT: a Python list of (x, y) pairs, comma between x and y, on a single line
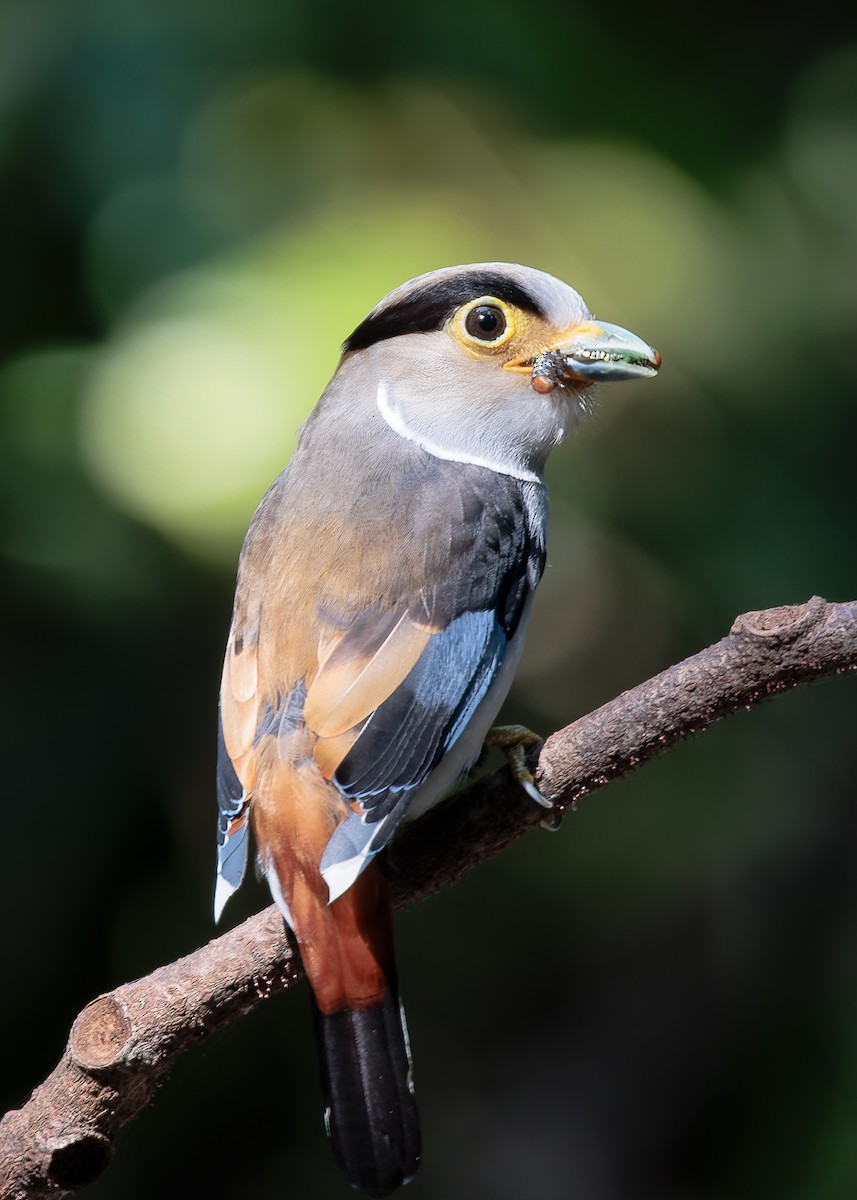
[(199, 201)]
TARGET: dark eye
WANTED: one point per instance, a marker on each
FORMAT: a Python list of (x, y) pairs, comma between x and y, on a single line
[(485, 322)]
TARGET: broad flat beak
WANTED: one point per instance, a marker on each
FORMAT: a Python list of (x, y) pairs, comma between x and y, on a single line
[(598, 352)]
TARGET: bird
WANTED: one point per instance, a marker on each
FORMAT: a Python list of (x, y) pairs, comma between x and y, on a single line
[(382, 598)]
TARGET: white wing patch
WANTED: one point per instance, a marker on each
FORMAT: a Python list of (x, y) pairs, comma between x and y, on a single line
[(231, 865)]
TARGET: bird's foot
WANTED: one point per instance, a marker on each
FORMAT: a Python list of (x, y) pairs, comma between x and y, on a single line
[(515, 741)]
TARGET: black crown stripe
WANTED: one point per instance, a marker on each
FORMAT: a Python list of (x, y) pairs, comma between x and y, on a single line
[(431, 307)]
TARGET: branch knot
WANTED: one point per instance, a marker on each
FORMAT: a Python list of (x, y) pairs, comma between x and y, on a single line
[(780, 625)]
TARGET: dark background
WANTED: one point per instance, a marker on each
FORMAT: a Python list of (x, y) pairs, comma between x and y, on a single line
[(199, 201)]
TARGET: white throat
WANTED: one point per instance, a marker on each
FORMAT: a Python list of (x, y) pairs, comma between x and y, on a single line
[(395, 418)]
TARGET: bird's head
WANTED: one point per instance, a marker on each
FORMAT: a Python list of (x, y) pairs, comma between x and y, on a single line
[(488, 363)]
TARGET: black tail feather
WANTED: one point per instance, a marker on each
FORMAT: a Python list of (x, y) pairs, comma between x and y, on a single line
[(371, 1114)]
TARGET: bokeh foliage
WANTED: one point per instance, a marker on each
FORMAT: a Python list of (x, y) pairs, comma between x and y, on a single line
[(199, 201)]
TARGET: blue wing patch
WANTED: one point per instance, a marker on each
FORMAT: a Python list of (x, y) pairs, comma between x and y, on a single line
[(232, 827), (407, 735)]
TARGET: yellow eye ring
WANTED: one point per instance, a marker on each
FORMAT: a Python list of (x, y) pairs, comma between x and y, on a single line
[(486, 323)]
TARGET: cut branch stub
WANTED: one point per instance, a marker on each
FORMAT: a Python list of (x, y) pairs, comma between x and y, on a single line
[(100, 1035)]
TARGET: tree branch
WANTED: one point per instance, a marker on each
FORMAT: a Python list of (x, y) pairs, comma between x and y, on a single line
[(124, 1043)]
